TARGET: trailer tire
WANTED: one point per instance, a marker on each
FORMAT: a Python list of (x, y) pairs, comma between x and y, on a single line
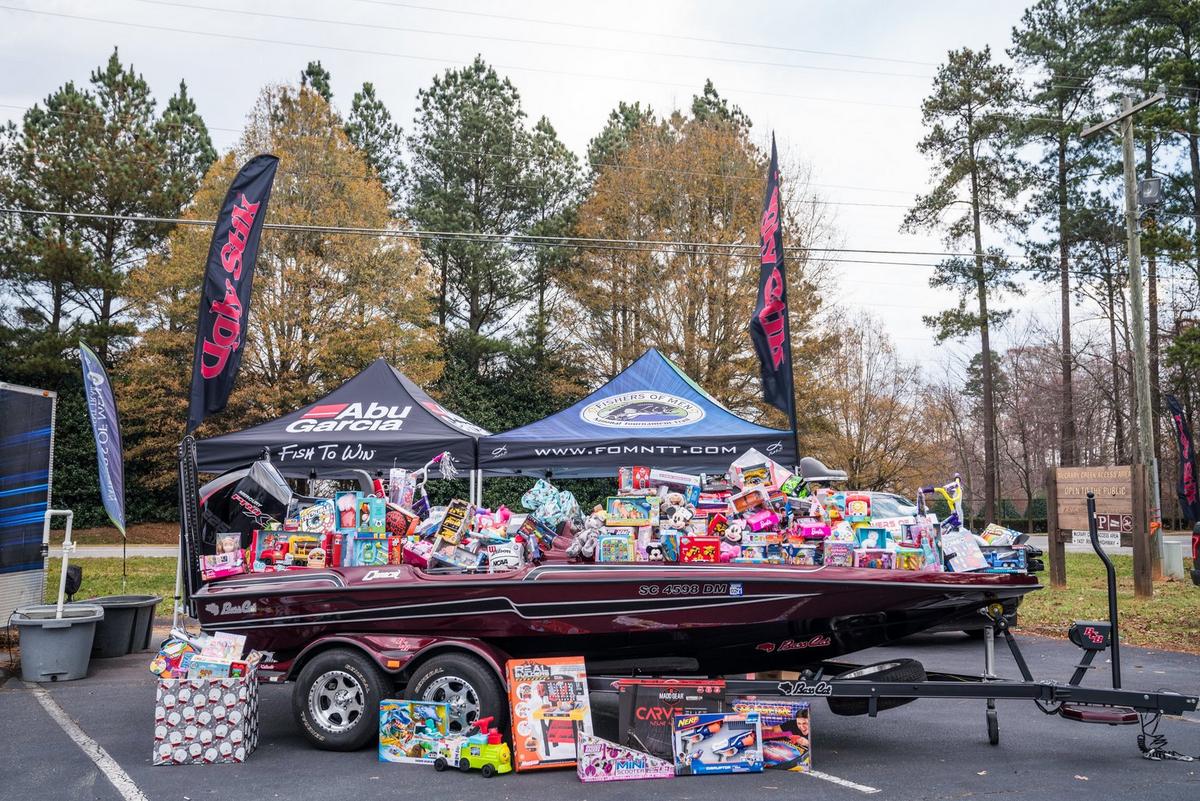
[(466, 683), (336, 699), (905, 670)]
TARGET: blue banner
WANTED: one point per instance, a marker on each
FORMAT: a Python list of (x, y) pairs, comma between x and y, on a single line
[(102, 408), (26, 439)]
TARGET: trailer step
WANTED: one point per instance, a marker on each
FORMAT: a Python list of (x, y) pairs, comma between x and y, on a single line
[(1092, 713)]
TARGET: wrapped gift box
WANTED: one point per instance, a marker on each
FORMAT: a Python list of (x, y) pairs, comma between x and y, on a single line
[(205, 721)]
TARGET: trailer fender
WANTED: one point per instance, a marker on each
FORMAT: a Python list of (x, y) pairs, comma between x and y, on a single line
[(399, 655)]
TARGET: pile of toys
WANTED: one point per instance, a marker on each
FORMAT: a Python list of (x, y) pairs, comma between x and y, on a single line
[(760, 512), (203, 656), (667, 728)]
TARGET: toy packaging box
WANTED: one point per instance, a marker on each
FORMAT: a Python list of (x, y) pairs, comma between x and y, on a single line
[(874, 557), (372, 515), (699, 548), (346, 509), (786, 731), (218, 565), (629, 510), (722, 742), (454, 523), (205, 721), (409, 731), (604, 761), (647, 708), (549, 703)]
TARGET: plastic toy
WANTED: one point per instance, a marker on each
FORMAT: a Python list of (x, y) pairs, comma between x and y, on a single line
[(603, 761), (877, 558), (721, 742), (481, 748), (858, 507)]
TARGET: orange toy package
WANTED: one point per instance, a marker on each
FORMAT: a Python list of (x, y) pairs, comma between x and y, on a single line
[(699, 548), (549, 703)]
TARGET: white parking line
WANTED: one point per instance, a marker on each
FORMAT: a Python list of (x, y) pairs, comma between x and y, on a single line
[(862, 788), (108, 766)]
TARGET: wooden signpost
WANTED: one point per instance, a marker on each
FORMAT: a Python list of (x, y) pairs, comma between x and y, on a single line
[(1122, 514)]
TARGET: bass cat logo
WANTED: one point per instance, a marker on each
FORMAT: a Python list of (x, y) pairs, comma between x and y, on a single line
[(227, 608), (802, 687), (642, 409)]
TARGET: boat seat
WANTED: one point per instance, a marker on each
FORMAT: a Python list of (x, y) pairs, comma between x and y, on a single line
[(812, 469)]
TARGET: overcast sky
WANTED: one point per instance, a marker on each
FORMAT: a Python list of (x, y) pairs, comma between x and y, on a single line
[(840, 83)]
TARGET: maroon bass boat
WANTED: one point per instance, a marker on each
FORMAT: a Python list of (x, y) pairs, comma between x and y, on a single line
[(349, 636)]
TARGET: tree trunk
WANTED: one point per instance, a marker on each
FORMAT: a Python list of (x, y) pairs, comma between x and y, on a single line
[(1118, 414), (989, 407), (1066, 424)]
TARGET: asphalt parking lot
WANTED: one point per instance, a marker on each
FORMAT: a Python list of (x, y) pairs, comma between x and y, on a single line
[(926, 750)]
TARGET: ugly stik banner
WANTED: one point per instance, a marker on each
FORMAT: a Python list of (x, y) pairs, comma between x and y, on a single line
[(106, 429), (225, 294), (769, 325), (1189, 495)]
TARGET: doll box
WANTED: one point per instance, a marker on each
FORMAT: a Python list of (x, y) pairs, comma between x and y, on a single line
[(205, 721)]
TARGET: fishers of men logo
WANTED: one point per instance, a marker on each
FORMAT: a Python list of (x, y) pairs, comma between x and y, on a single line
[(642, 409)]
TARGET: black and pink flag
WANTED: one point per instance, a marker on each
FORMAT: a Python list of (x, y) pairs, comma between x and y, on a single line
[(225, 294), (769, 325), (1189, 494)]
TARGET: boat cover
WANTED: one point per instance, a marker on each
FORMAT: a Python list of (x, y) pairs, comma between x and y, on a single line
[(650, 414)]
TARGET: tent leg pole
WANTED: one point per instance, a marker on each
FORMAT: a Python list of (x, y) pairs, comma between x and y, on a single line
[(479, 487), (178, 587)]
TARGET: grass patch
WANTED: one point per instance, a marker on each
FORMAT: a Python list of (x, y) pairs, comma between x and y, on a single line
[(146, 575), (1170, 620)]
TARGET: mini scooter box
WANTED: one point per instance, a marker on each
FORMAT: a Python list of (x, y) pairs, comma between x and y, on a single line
[(722, 742)]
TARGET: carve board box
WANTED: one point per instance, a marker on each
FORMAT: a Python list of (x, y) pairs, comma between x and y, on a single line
[(205, 721)]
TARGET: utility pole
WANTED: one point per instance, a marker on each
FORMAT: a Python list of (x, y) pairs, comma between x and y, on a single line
[(1141, 368)]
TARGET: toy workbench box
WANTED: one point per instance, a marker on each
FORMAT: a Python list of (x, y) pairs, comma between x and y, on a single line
[(206, 721)]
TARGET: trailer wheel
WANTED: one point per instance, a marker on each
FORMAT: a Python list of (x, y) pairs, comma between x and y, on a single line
[(902, 670), (466, 683), (993, 727), (336, 699)]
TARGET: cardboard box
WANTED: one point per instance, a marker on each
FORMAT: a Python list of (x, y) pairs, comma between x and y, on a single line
[(786, 731), (346, 510), (875, 558), (647, 708), (549, 703), (205, 721), (722, 742), (603, 761), (699, 548), (372, 515), (409, 731)]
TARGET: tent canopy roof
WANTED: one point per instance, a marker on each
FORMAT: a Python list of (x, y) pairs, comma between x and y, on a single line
[(376, 420), (650, 414)]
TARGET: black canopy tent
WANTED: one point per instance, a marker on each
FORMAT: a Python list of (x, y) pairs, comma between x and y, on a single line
[(376, 420), (649, 414)]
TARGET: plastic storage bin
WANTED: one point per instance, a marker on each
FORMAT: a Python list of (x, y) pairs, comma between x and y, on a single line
[(56, 649), (127, 626)]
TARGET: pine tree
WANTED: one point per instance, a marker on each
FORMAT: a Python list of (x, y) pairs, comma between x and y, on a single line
[(975, 169), (473, 171), (1062, 41), (371, 129), (709, 107), (318, 79), (605, 148)]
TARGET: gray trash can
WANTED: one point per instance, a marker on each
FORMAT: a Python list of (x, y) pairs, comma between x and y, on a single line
[(127, 626), (55, 649)]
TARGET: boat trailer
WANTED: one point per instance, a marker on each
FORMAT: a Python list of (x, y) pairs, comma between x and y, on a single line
[(848, 686)]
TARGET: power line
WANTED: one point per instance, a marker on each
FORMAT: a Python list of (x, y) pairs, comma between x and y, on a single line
[(538, 42), (437, 60), (628, 31), (524, 239)]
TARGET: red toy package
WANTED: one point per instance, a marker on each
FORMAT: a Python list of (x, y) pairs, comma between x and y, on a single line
[(699, 549)]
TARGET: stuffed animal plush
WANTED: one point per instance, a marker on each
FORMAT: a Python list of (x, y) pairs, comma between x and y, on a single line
[(731, 540), (586, 539), (680, 517)]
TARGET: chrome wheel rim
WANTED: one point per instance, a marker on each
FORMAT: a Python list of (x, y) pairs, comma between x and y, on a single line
[(336, 701), (865, 673), (461, 697)]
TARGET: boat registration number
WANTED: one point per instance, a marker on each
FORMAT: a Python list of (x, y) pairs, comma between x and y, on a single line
[(721, 588)]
